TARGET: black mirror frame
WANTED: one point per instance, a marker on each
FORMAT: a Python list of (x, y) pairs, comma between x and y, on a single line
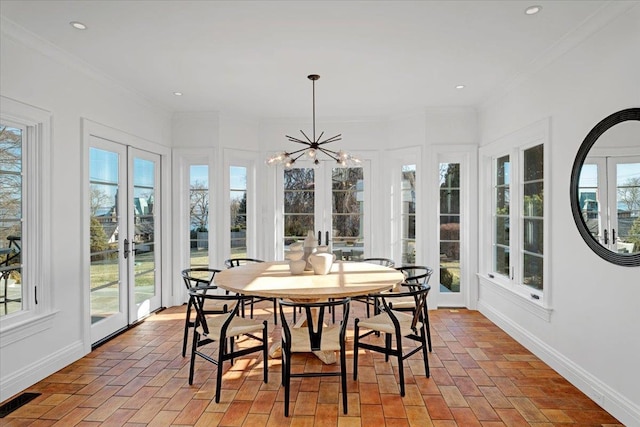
[(626, 260)]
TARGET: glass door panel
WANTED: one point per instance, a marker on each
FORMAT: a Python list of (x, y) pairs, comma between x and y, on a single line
[(144, 225), (624, 204), (238, 211), (450, 227), (347, 217), (124, 231), (299, 203), (107, 284), (199, 216), (408, 215), (330, 202)]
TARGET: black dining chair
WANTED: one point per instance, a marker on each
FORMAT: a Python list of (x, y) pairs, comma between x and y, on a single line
[(370, 302), (251, 301), (223, 329), (415, 274), (201, 278), (315, 336), (396, 326)]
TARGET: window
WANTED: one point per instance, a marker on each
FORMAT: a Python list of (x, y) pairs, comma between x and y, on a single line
[(408, 215), (12, 138), (501, 216), (24, 219), (199, 215), (518, 217), (238, 211), (514, 226), (450, 227), (532, 233)]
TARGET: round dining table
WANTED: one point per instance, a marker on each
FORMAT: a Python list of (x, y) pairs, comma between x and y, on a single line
[(274, 280)]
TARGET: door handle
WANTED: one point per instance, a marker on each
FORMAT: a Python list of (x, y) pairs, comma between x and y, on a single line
[(126, 248), (613, 235), (606, 237), (326, 238)]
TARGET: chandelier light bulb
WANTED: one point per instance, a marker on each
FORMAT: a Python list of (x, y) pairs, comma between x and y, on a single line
[(312, 153)]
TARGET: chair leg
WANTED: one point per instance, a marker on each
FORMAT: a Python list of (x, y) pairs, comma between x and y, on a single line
[(425, 354), (265, 353), (400, 367), (387, 345), (187, 325), (356, 339), (343, 375), (275, 312), (287, 382), (426, 322), (221, 351), (251, 309), (192, 363)]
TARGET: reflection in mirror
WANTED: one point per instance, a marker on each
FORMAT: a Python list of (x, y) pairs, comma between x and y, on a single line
[(605, 188), (609, 189)]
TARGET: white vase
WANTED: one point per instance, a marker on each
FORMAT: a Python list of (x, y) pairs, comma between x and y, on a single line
[(296, 266), (321, 263)]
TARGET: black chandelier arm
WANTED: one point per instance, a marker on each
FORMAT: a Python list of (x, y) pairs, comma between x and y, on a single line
[(305, 135), (332, 139), (319, 138), (297, 151), (330, 153), (299, 141)]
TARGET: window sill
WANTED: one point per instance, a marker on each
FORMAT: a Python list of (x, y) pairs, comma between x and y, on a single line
[(525, 302), (22, 329)]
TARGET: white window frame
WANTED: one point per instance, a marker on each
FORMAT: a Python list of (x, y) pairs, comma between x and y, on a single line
[(183, 159), (398, 159), (514, 145), (36, 238), (245, 159)]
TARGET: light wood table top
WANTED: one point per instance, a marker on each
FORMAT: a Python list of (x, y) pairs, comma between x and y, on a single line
[(274, 280)]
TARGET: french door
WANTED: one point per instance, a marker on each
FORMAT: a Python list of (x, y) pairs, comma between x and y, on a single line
[(610, 201), (329, 200), (124, 231)]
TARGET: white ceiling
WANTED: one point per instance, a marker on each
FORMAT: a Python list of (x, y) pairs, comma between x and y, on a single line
[(376, 58)]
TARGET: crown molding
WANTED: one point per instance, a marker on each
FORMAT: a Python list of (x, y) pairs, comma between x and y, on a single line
[(594, 22), (17, 33)]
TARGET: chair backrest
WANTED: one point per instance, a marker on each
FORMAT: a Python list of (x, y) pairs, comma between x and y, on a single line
[(199, 277), (199, 295), (386, 262), (235, 262), (417, 291), (416, 274), (315, 330)]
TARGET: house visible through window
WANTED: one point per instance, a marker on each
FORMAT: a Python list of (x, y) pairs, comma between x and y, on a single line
[(238, 211), (199, 215)]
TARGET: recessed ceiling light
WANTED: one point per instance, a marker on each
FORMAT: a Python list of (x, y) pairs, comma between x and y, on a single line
[(177, 93), (78, 25), (532, 10), (460, 87)]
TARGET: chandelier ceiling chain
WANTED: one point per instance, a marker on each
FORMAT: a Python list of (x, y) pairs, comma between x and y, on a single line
[(312, 145)]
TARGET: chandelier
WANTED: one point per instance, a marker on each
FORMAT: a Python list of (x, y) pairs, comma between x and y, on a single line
[(312, 146)]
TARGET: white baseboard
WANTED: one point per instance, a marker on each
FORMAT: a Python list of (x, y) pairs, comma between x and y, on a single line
[(29, 375), (613, 402)]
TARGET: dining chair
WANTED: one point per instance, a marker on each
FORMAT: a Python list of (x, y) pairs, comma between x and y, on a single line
[(395, 325), (314, 336), (370, 302), (223, 329), (251, 301), (200, 278), (415, 274)]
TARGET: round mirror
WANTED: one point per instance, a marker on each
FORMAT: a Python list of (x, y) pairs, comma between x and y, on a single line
[(605, 188)]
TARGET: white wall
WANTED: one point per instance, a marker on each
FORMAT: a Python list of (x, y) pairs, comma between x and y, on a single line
[(35, 73), (593, 337)]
